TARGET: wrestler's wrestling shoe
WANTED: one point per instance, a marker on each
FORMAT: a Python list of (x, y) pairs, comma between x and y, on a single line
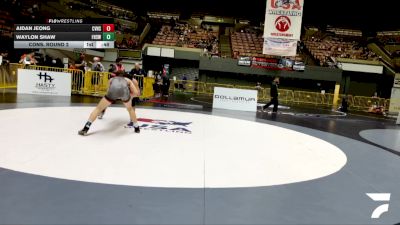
[(130, 125), (83, 132), (137, 130)]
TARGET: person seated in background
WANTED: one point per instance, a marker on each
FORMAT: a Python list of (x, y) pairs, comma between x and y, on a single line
[(124, 43), (48, 60), (184, 82), (131, 42), (28, 59), (376, 109), (137, 71), (59, 63), (71, 65)]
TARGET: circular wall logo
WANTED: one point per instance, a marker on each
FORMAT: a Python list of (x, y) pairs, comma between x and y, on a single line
[(282, 23)]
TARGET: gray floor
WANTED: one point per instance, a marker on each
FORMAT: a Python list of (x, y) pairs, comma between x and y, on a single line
[(389, 138), (337, 199)]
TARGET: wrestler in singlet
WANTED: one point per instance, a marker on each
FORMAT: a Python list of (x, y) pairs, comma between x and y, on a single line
[(118, 90)]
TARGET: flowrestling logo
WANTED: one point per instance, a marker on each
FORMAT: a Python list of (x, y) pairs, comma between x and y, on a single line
[(384, 198), (165, 125)]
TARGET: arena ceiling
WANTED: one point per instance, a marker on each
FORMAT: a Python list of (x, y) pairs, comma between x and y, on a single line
[(362, 14)]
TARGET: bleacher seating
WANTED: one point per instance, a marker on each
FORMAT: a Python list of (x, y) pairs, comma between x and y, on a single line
[(185, 35), (389, 37), (126, 41), (28, 10), (390, 41), (164, 15), (247, 44), (6, 21), (330, 48)]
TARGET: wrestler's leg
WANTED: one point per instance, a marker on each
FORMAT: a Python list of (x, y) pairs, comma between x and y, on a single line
[(103, 104), (132, 114)]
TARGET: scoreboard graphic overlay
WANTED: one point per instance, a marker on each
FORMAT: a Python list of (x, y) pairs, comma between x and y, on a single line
[(66, 33)]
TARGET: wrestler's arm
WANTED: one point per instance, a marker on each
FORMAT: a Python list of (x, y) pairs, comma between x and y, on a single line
[(134, 91), (135, 82)]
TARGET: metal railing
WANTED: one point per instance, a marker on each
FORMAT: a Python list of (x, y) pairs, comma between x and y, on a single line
[(363, 103), (8, 75), (96, 83)]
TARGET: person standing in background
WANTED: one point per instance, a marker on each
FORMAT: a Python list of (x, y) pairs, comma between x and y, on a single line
[(165, 86), (4, 66), (258, 86), (196, 84), (4, 58), (79, 79), (157, 86), (28, 59), (96, 77), (118, 66), (274, 96), (184, 82), (345, 104), (96, 65), (81, 63)]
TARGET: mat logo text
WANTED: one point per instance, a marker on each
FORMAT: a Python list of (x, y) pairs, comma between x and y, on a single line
[(165, 125)]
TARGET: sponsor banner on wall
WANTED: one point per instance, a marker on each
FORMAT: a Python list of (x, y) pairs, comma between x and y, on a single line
[(396, 82), (235, 99), (271, 63), (268, 63), (283, 19), (398, 119), (280, 47), (40, 82), (364, 68), (244, 61), (394, 106)]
